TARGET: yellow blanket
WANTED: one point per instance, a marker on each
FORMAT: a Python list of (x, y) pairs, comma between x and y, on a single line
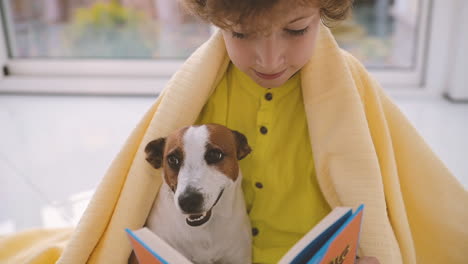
[(365, 151)]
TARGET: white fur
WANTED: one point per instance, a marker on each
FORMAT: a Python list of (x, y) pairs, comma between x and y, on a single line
[(226, 237)]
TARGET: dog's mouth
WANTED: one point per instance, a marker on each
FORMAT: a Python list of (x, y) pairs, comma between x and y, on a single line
[(200, 219)]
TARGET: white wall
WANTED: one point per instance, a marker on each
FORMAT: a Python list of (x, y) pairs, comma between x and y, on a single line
[(457, 77)]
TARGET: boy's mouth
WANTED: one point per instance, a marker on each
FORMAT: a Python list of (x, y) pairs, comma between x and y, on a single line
[(269, 76)]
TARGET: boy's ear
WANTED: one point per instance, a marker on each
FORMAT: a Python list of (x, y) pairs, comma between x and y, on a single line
[(155, 151), (243, 148)]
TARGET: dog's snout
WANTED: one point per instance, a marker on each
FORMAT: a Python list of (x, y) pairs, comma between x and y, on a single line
[(191, 201)]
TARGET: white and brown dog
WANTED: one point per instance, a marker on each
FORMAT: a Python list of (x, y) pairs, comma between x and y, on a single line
[(200, 208)]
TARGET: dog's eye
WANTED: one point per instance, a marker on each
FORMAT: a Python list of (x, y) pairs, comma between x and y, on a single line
[(173, 161), (213, 156)]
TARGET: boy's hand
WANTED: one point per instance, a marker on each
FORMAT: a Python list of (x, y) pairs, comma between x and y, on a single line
[(367, 260)]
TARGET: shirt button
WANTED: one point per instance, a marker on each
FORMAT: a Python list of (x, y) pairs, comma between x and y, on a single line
[(259, 185), (263, 130), (268, 96), (254, 231)]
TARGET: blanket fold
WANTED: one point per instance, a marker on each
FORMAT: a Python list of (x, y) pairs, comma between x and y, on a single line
[(365, 151), (34, 246)]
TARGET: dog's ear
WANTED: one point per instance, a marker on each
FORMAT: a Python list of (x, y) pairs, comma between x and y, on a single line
[(243, 148), (155, 151)]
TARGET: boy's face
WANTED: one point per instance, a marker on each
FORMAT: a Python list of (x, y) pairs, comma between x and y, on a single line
[(271, 58)]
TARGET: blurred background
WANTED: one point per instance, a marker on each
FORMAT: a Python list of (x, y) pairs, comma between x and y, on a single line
[(78, 75)]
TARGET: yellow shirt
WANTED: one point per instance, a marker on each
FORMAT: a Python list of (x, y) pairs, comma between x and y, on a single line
[(282, 195)]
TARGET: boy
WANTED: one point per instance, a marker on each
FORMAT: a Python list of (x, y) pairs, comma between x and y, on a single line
[(268, 43)]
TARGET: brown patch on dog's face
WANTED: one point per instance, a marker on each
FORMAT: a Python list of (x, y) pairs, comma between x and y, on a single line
[(223, 150), (174, 157), (228, 144), (167, 153)]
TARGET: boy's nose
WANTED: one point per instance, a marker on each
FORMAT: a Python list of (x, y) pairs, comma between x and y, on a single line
[(270, 54)]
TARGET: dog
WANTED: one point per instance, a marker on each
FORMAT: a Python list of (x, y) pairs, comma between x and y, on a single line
[(200, 208)]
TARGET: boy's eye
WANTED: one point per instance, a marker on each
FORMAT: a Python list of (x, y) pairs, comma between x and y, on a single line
[(299, 32), (238, 35)]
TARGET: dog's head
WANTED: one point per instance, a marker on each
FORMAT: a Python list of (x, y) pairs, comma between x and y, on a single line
[(198, 163)]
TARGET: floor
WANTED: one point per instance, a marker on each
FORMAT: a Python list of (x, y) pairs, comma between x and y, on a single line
[(55, 149)]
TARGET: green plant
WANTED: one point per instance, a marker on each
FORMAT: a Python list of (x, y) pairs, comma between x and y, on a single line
[(110, 30), (107, 15)]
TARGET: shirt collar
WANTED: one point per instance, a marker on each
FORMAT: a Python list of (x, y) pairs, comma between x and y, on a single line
[(256, 90)]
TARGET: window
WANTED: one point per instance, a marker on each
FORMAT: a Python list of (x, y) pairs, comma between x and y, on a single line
[(381, 33), (138, 29), (134, 46), (389, 37)]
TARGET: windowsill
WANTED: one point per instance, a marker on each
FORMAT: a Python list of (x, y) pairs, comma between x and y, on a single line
[(82, 86)]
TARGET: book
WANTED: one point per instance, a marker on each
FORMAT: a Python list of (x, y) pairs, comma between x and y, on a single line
[(334, 240), (151, 249)]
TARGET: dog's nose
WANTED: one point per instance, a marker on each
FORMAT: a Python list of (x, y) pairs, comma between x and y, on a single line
[(191, 201)]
